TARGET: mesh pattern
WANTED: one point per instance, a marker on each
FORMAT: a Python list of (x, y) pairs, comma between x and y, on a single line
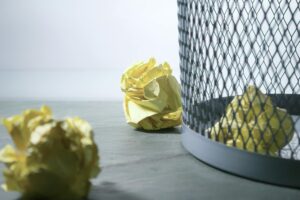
[(227, 46)]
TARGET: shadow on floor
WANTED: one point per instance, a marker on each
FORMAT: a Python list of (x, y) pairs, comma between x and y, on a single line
[(108, 190), (105, 191), (162, 131)]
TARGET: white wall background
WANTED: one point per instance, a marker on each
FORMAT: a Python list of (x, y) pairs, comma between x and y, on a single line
[(78, 49)]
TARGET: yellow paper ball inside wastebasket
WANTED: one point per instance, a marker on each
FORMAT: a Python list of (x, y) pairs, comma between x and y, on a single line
[(53, 159), (152, 96), (251, 122)]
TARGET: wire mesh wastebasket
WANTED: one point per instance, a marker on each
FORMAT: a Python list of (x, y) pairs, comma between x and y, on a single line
[(240, 78)]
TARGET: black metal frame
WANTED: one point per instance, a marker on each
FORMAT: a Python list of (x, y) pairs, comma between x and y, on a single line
[(226, 45)]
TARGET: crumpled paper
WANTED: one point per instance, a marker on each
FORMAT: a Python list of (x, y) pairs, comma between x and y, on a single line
[(253, 123), (52, 159), (152, 96)]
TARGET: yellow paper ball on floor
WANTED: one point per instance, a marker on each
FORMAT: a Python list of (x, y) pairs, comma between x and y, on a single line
[(152, 96), (53, 159)]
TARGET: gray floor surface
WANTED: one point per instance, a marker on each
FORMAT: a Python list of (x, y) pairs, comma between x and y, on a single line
[(140, 165)]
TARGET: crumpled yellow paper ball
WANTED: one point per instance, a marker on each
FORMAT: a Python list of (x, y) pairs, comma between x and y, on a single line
[(253, 123), (52, 159), (152, 96)]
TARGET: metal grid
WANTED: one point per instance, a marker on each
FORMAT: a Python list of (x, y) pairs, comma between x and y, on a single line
[(227, 46)]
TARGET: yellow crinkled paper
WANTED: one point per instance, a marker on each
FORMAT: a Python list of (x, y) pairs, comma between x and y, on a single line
[(253, 123), (152, 96), (52, 159)]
